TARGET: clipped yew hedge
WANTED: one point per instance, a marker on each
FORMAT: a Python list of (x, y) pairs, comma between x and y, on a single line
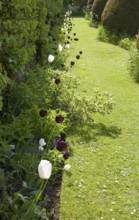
[(122, 16), (97, 8)]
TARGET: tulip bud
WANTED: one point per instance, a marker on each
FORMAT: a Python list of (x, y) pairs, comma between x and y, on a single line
[(43, 113), (60, 48), (72, 63), (77, 57), (67, 46), (62, 65), (57, 81), (67, 167), (61, 145), (45, 169), (66, 155), (59, 119), (42, 142), (51, 58)]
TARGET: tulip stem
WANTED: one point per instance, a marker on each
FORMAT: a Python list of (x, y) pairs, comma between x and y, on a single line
[(51, 135), (42, 187), (34, 202)]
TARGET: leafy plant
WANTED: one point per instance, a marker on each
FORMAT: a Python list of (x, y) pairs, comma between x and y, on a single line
[(134, 65)]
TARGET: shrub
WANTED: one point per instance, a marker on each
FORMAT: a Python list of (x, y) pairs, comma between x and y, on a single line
[(127, 43), (105, 35), (123, 41), (97, 9), (121, 16), (134, 65)]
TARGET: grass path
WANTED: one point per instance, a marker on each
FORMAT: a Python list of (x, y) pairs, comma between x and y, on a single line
[(105, 167)]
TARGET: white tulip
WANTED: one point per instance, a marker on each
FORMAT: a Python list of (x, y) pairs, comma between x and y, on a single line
[(60, 48), (51, 58), (67, 167), (42, 142), (41, 148), (62, 29), (45, 169), (67, 46)]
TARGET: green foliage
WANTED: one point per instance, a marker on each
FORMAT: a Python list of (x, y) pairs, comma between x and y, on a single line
[(123, 41), (134, 65), (31, 31), (105, 35), (127, 43)]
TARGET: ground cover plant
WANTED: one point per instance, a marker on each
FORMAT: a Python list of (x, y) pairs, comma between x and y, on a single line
[(104, 169)]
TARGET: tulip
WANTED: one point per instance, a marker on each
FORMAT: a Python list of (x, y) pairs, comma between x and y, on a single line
[(60, 48), (77, 57), (67, 46), (66, 155), (81, 52), (59, 119), (61, 145), (41, 148), (42, 142), (43, 113), (67, 167), (57, 81), (45, 169), (72, 63), (51, 58)]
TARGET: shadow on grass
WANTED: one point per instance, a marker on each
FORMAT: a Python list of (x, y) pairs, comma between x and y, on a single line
[(94, 131)]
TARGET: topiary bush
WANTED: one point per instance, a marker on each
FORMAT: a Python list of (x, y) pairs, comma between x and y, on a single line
[(97, 9), (121, 16)]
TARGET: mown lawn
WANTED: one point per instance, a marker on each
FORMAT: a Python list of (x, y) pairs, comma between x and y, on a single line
[(104, 180)]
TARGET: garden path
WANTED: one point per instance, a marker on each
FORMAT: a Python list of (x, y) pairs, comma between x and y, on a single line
[(105, 164)]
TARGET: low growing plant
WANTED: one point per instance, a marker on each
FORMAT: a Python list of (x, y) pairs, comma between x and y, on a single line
[(134, 64)]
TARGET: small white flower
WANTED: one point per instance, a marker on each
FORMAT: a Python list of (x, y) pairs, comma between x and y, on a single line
[(62, 29), (42, 142), (51, 58), (41, 148), (45, 169), (67, 46), (60, 47), (67, 167)]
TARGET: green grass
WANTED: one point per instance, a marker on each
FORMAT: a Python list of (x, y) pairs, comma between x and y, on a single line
[(104, 180)]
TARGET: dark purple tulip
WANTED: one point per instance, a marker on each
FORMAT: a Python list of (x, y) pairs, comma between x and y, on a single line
[(62, 65), (77, 57), (43, 113), (72, 63), (57, 81), (55, 53), (61, 145), (66, 155), (76, 39), (74, 34), (80, 52), (68, 37), (59, 119)]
